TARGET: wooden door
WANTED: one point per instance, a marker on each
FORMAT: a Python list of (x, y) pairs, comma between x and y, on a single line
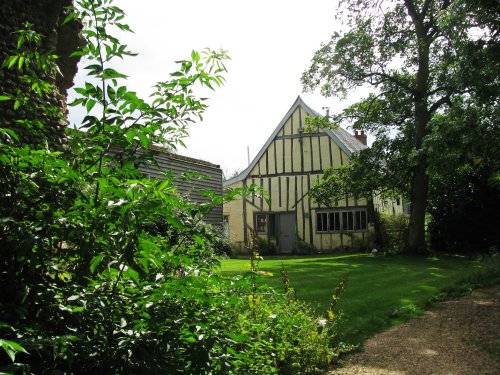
[(286, 232)]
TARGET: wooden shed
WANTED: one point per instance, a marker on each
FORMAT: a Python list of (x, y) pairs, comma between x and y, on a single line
[(288, 165), (192, 178)]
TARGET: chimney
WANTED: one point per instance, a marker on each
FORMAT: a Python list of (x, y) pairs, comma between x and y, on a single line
[(360, 136)]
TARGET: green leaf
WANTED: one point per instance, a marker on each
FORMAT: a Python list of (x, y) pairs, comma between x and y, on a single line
[(90, 104), (95, 262), (199, 240), (143, 138), (195, 56), (4, 97), (81, 91), (76, 102), (133, 274), (174, 221), (20, 41), (149, 245), (70, 17), (111, 93), (121, 91), (11, 61), (78, 54), (17, 347), (123, 27), (20, 62), (111, 73), (11, 348), (94, 68), (164, 184)]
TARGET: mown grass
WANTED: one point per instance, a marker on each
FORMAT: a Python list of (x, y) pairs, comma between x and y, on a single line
[(381, 292)]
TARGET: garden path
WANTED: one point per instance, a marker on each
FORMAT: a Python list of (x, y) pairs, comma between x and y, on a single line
[(456, 337)]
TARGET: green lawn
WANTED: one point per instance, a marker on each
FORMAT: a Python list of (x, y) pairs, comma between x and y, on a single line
[(381, 291)]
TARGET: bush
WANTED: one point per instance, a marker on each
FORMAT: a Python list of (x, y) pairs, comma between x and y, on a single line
[(466, 220), (303, 248), (219, 243), (393, 230), (287, 337), (106, 271), (266, 247)]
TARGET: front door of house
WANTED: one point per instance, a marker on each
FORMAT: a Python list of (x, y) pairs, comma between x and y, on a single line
[(286, 232)]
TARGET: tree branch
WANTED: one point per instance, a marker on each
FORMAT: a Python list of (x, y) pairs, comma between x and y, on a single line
[(438, 89), (440, 102), (412, 11), (425, 8), (390, 78)]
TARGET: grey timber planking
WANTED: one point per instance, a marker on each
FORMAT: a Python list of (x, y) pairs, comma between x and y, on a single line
[(210, 179)]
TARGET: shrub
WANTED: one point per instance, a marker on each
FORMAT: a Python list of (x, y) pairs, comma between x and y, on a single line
[(266, 247), (393, 230), (288, 336), (106, 271), (454, 222), (303, 248), (220, 243)]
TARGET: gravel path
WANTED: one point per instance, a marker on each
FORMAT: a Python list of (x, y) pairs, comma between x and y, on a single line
[(458, 337)]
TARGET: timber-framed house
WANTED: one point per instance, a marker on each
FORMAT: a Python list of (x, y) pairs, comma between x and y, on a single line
[(287, 166)]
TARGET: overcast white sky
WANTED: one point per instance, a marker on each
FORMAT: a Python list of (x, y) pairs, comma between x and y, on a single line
[(270, 43)]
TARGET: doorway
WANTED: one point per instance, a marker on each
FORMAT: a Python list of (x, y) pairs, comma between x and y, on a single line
[(286, 232)]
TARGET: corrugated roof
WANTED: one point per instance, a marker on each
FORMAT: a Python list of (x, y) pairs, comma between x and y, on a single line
[(346, 141)]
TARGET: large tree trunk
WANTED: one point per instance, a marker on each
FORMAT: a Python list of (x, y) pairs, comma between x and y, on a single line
[(419, 185), (416, 234), (419, 188)]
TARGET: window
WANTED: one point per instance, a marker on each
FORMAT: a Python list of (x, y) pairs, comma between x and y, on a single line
[(261, 223), (350, 219), (266, 224), (334, 221), (226, 225), (322, 222)]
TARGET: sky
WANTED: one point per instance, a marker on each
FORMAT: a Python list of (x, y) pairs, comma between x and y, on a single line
[(270, 43)]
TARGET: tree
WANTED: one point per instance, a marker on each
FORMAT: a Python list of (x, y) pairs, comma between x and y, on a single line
[(415, 56), (464, 183)]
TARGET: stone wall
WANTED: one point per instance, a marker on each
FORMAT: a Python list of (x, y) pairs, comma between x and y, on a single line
[(46, 16)]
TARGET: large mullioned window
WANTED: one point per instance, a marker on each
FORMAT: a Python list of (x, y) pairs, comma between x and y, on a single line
[(342, 220)]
